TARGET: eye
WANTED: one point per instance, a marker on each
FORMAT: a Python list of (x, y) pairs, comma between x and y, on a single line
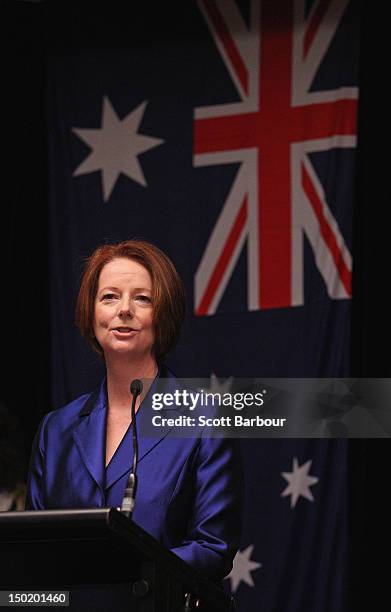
[(143, 298), (107, 297)]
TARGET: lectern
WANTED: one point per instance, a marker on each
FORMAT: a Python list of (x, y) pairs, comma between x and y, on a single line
[(104, 560)]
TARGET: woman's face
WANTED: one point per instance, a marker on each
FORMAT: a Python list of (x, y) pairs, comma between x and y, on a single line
[(123, 319)]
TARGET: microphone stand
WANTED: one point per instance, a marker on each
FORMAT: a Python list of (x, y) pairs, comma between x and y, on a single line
[(128, 501)]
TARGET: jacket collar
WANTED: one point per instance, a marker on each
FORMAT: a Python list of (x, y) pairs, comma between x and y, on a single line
[(90, 434)]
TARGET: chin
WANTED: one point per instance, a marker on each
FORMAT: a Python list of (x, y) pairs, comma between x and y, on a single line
[(125, 349)]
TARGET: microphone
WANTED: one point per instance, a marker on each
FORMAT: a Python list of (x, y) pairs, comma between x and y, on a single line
[(127, 507), (136, 387)]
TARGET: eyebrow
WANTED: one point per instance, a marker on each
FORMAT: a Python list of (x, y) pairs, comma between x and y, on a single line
[(117, 289)]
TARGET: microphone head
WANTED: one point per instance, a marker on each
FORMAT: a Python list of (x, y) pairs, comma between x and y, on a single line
[(136, 387)]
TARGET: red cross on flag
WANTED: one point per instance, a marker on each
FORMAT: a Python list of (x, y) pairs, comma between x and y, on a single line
[(276, 197)]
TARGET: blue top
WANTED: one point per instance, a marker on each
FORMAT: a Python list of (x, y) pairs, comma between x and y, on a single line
[(189, 489)]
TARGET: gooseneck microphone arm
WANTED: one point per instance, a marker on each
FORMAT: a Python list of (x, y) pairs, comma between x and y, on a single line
[(127, 507)]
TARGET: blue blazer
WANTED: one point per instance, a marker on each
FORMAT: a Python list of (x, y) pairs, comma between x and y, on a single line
[(189, 489)]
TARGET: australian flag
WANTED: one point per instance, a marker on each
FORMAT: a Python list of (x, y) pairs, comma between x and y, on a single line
[(223, 131)]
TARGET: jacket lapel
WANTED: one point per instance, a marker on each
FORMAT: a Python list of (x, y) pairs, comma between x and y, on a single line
[(90, 435), (122, 460)]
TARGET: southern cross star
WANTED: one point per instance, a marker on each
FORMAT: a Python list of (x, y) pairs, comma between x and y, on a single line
[(242, 568), (299, 482)]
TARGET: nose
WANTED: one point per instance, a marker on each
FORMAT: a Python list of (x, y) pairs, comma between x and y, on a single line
[(125, 308)]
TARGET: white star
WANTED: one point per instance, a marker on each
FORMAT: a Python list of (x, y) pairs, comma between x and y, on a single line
[(242, 568), (299, 482), (116, 146), (219, 387)]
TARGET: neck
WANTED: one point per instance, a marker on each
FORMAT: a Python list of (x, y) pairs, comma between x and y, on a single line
[(120, 374)]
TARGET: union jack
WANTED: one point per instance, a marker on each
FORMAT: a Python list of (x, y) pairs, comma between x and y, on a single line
[(276, 196)]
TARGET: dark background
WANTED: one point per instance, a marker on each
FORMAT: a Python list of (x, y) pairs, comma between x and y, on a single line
[(28, 30)]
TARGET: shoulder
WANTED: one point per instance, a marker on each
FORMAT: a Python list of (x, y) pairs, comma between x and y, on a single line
[(56, 426), (72, 409), (69, 414)]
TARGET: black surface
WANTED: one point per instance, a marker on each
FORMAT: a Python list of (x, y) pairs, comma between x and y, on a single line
[(74, 549)]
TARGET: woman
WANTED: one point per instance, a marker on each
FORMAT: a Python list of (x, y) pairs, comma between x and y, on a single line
[(130, 309)]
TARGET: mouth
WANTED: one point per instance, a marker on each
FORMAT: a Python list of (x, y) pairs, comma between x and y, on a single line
[(124, 331)]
